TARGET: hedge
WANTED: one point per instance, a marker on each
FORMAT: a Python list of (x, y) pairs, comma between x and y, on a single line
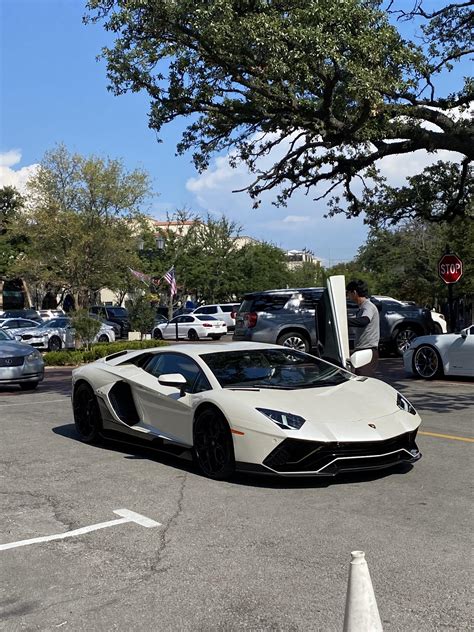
[(99, 350)]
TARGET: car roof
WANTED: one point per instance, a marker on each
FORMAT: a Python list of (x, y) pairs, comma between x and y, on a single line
[(282, 291)]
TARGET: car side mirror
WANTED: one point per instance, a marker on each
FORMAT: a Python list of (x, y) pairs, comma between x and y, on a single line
[(361, 358), (465, 332), (175, 380)]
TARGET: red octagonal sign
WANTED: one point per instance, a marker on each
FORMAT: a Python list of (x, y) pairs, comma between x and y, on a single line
[(450, 268)]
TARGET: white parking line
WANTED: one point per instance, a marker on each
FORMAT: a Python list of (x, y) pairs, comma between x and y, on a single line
[(127, 516)]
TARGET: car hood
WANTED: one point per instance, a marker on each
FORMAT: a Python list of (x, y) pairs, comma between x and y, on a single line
[(32, 331), (12, 348), (341, 412)]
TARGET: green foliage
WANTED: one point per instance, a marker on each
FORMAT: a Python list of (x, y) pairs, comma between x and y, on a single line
[(261, 266), (142, 315), (333, 87), (85, 327), (82, 216), (11, 244), (75, 358), (403, 262), (309, 274)]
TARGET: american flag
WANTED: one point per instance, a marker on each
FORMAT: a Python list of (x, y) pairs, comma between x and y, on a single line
[(145, 278), (170, 278)]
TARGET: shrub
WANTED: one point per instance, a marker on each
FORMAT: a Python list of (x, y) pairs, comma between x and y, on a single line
[(98, 350), (142, 315), (85, 327)]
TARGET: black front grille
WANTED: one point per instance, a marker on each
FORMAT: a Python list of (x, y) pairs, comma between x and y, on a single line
[(16, 361), (295, 455)]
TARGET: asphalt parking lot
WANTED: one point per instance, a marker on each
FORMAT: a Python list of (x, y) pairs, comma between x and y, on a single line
[(251, 554)]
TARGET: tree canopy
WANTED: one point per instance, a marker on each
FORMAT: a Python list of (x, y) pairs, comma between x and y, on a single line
[(80, 219), (326, 89)]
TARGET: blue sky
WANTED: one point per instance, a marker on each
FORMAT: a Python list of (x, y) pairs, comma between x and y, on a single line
[(54, 91)]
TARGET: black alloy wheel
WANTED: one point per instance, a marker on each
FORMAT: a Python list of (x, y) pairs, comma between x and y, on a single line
[(294, 340), (55, 344), (87, 417), (427, 363), (103, 338), (192, 335), (403, 339), (213, 446), (157, 335)]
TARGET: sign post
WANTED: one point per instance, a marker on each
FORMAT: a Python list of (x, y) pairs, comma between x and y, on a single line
[(450, 271)]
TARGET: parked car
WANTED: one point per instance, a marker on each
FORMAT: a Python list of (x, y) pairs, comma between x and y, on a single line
[(57, 334), (115, 314), (13, 324), (193, 327), (223, 311), (47, 314), (249, 407), (440, 326), (447, 354), (19, 363), (115, 326), (30, 313), (290, 317)]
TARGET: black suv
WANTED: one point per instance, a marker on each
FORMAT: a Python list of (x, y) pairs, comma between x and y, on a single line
[(292, 317), (114, 314)]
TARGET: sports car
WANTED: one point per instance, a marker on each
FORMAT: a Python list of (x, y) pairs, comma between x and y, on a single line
[(447, 354), (247, 406)]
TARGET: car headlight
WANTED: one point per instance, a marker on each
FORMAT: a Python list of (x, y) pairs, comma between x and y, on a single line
[(405, 405), (34, 356), (286, 421)]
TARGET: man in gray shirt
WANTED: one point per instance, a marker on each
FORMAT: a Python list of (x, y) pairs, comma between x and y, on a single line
[(367, 325)]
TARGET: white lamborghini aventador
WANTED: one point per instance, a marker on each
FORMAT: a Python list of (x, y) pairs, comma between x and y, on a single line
[(249, 406)]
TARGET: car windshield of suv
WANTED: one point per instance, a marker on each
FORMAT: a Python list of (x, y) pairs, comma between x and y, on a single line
[(117, 312), (272, 368)]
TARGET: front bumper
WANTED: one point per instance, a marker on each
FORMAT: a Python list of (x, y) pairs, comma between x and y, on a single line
[(296, 457), (21, 374)]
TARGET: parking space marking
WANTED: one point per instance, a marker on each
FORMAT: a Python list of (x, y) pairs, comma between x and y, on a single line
[(127, 516), (445, 436)]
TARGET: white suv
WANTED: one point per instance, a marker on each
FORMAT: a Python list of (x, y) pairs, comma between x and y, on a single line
[(222, 311)]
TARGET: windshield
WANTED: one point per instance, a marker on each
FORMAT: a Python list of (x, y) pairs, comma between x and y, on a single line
[(55, 323), (118, 312), (272, 368), (5, 335)]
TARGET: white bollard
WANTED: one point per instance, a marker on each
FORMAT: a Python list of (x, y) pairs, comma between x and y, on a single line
[(362, 614)]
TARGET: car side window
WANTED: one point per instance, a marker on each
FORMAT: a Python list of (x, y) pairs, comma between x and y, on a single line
[(187, 319), (163, 363)]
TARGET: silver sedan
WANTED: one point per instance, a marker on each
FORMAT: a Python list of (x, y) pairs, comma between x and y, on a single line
[(19, 363)]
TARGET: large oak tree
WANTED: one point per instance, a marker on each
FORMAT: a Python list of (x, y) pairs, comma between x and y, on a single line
[(331, 88)]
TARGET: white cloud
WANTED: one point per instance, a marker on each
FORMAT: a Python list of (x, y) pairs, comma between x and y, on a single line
[(15, 177), (289, 219)]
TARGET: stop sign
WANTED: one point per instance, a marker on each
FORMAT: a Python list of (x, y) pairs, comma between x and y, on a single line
[(450, 268)]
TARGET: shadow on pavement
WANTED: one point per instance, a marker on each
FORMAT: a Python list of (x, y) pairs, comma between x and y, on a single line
[(133, 451)]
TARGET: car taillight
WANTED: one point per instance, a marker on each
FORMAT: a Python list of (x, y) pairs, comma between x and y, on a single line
[(251, 319), (233, 315), (207, 325)]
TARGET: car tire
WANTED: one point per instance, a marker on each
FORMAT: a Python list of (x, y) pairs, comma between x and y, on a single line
[(55, 344), (87, 417), (192, 335), (427, 363), (157, 335), (213, 450), (403, 339), (294, 340), (103, 338), (28, 386)]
